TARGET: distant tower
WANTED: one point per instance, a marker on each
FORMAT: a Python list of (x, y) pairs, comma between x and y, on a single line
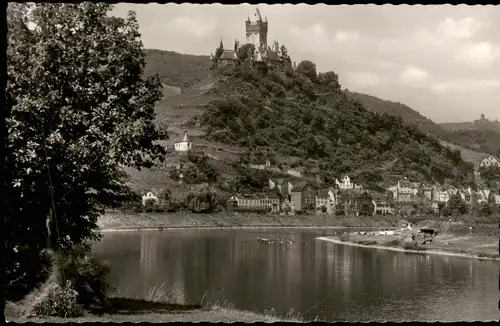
[(256, 32)]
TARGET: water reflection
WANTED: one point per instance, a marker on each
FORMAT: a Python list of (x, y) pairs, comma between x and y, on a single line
[(314, 277)]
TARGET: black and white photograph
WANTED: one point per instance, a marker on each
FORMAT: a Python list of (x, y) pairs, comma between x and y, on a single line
[(251, 163)]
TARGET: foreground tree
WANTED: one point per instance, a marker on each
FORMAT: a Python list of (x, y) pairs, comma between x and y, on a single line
[(78, 108)]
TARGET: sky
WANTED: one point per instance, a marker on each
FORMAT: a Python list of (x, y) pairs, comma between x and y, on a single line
[(443, 61)]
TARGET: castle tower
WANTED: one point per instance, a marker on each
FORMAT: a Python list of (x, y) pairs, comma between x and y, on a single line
[(256, 32)]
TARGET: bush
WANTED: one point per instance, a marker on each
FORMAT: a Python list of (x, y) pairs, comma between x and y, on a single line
[(87, 275), (173, 207), (58, 301)]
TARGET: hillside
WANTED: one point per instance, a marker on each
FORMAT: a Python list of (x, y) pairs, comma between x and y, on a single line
[(199, 88), (485, 141), (408, 115), (287, 113), (177, 69)]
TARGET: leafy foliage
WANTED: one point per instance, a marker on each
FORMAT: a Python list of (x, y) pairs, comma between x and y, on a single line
[(491, 175), (87, 275), (283, 112), (58, 301), (308, 68), (202, 201), (78, 109), (455, 206)]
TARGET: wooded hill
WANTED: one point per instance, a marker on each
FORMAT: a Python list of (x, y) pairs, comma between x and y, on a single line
[(305, 115), (277, 97)]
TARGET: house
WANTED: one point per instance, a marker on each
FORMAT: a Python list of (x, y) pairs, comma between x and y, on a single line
[(263, 165), (489, 161), (483, 195), (282, 186), (364, 204), (303, 196), (258, 202), (468, 196), (381, 206), (149, 196), (442, 195), (353, 202), (494, 199), (405, 191), (346, 183), (427, 192), (325, 197), (182, 145)]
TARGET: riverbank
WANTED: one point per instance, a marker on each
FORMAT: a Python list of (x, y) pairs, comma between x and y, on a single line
[(445, 244), (158, 307), (166, 313), (122, 221)]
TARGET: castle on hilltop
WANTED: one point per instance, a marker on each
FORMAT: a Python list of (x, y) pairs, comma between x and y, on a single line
[(260, 53)]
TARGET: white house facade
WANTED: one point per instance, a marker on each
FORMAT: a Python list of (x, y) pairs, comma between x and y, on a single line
[(489, 162), (149, 196), (183, 145)]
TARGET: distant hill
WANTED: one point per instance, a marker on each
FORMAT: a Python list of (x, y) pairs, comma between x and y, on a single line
[(177, 69), (482, 124), (482, 135)]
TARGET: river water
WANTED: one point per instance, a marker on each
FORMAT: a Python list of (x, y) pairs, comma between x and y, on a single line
[(316, 278)]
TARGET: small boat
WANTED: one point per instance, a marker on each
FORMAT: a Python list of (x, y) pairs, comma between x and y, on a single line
[(263, 240)]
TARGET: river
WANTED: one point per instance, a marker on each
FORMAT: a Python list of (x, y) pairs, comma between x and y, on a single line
[(316, 278)]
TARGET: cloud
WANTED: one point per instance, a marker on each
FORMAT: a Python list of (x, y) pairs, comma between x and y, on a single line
[(478, 54), (448, 30), (466, 85), (452, 29), (365, 79), (346, 36), (413, 74), (187, 24), (313, 37)]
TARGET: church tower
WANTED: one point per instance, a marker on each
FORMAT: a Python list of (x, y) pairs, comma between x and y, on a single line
[(256, 32)]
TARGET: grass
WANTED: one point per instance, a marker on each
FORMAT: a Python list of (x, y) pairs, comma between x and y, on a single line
[(161, 304)]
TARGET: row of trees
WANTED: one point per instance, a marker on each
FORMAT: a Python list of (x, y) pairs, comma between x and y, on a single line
[(78, 107)]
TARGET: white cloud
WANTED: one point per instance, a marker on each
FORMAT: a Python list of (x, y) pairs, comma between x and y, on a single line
[(478, 54), (346, 36), (365, 79), (413, 74), (452, 29), (187, 24), (446, 31), (466, 85), (313, 37)]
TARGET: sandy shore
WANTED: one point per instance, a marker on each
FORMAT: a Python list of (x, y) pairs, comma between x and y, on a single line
[(429, 251)]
